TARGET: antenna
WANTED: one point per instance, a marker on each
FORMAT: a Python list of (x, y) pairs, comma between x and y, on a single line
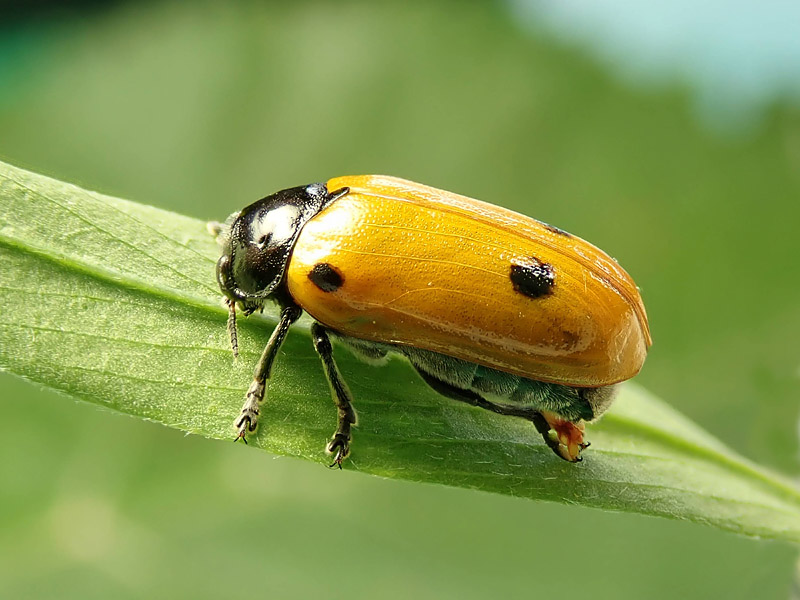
[(232, 327)]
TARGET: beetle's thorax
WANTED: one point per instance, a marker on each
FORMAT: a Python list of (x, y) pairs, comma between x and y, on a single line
[(260, 240)]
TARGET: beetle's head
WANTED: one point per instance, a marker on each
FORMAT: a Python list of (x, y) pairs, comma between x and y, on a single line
[(258, 244)]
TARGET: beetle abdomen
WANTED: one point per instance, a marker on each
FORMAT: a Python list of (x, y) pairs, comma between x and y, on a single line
[(505, 389)]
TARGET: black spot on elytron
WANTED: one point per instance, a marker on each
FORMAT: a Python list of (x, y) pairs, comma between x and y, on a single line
[(326, 277), (556, 230), (533, 278)]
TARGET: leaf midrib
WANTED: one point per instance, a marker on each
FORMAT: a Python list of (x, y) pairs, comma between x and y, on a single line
[(705, 452), (114, 278), (125, 215)]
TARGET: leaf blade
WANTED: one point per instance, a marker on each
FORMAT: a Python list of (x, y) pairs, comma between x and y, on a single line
[(115, 303)]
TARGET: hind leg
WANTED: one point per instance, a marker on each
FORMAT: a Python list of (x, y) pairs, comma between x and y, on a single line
[(568, 441)]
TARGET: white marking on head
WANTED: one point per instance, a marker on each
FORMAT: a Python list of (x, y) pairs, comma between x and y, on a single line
[(280, 222)]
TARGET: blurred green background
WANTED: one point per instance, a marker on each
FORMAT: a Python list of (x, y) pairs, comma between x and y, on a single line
[(203, 107)]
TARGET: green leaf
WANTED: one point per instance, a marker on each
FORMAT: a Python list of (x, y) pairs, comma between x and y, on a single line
[(116, 303)]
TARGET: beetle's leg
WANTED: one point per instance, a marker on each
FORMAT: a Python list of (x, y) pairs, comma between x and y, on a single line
[(529, 413), (247, 422), (568, 433), (219, 230), (339, 445), (215, 228)]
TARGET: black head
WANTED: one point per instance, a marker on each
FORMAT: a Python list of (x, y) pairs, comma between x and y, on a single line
[(259, 243)]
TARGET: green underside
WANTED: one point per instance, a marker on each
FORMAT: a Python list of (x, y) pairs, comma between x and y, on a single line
[(497, 386)]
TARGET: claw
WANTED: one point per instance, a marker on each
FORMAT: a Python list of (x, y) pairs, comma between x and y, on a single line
[(337, 462), (340, 447), (569, 435), (244, 424)]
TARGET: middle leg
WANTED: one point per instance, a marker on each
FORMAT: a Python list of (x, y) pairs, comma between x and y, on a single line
[(339, 445)]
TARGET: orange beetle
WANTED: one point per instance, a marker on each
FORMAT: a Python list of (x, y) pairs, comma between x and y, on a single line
[(491, 307)]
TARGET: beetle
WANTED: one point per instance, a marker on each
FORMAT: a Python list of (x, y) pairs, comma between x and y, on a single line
[(491, 307)]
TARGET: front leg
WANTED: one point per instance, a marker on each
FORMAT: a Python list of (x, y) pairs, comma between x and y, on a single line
[(247, 422), (339, 445)]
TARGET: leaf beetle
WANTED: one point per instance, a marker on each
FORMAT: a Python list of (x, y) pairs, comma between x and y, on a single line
[(491, 307)]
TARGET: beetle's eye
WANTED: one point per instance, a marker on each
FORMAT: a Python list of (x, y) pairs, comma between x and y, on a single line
[(263, 240)]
